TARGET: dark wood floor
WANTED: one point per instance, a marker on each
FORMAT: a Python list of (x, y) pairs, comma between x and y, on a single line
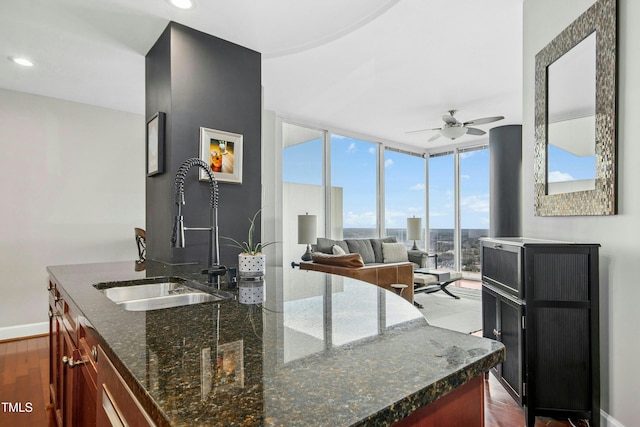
[(25, 377)]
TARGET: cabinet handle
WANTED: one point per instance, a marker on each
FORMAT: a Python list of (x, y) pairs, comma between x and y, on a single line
[(497, 333), (56, 299), (50, 288), (94, 353), (72, 363), (497, 246)]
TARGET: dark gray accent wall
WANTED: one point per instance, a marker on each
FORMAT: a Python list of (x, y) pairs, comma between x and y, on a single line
[(202, 81), (505, 166)]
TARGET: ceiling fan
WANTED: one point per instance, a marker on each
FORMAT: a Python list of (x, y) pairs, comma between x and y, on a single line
[(453, 129)]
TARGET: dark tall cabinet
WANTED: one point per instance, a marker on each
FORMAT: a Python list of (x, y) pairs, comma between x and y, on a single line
[(540, 299)]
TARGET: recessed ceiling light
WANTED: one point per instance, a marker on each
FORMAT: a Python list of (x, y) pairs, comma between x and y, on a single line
[(183, 4), (22, 61)]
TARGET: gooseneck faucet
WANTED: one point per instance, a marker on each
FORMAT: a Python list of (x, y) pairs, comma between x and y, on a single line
[(177, 239)]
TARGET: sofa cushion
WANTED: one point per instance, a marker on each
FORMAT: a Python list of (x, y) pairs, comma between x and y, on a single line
[(326, 245), (394, 252), (363, 247), (337, 250), (347, 260), (376, 244)]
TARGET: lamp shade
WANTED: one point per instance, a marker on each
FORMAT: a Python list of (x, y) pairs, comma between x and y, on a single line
[(307, 229), (453, 132), (414, 228)]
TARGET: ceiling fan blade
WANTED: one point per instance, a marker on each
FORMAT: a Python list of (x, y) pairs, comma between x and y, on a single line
[(434, 137), (483, 120), (422, 130), (475, 131)]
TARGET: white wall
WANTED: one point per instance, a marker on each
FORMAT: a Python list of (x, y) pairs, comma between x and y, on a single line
[(72, 186), (619, 235)]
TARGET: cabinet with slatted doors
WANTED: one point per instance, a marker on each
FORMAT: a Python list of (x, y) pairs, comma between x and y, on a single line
[(540, 299)]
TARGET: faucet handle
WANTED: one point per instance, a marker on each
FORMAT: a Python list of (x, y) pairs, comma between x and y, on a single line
[(216, 270)]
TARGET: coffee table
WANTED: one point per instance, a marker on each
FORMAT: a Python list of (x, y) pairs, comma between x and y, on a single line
[(443, 279)]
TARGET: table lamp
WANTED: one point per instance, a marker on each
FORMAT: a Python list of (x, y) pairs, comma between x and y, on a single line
[(414, 231), (307, 233)]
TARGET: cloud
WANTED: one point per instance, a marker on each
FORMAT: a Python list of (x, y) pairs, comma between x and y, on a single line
[(388, 163), (417, 187), (351, 148), (467, 154), (557, 176), (477, 203), (465, 176), (366, 219), (372, 150)]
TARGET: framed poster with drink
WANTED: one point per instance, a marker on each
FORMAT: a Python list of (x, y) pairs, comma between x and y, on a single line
[(223, 152)]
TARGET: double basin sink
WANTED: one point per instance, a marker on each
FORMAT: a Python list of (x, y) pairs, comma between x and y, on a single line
[(155, 293)]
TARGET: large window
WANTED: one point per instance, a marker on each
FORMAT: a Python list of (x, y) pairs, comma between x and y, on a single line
[(404, 194), (354, 171), (459, 208), (442, 209), (303, 183), (474, 207), (363, 189)]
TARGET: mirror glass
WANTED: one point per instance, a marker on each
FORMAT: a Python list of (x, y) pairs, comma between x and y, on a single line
[(571, 110)]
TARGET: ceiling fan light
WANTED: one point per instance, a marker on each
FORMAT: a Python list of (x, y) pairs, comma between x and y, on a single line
[(453, 132)]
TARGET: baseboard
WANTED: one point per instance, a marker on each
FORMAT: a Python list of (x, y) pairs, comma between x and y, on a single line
[(22, 331), (607, 420)]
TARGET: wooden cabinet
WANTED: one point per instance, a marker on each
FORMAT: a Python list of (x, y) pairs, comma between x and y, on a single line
[(72, 363), (540, 299), (85, 388)]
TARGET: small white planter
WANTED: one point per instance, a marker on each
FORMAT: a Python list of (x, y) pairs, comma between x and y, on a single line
[(251, 265)]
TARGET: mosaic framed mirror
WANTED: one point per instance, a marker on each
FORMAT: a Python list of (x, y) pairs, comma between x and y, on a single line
[(575, 117)]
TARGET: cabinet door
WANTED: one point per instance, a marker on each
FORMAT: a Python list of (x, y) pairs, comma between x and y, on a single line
[(502, 321), (67, 380), (511, 333), (87, 389), (55, 362)]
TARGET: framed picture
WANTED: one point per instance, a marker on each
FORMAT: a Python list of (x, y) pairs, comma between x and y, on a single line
[(223, 152), (155, 144)]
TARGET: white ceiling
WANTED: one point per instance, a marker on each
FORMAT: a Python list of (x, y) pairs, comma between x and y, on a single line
[(373, 67)]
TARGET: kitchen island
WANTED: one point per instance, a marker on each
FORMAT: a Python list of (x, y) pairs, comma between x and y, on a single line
[(320, 350)]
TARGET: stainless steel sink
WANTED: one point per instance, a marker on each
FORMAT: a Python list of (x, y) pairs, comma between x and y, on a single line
[(157, 303), (154, 293)]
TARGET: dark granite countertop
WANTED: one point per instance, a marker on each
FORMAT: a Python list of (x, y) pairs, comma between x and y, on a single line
[(321, 350)]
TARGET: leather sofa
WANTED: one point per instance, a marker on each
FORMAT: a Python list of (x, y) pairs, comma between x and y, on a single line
[(376, 268)]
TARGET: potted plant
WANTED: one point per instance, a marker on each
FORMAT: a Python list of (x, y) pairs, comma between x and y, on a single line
[(251, 261)]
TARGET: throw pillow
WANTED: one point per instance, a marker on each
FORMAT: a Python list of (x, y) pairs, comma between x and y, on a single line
[(347, 260), (363, 247), (326, 245), (376, 244), (394, 252), (337, 250)]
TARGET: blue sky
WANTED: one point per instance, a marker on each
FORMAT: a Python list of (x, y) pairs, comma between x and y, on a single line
[(564, 166), (353, 167)]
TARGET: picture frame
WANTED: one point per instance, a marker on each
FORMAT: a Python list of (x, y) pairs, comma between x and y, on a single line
[(155, 144), (222, 151)]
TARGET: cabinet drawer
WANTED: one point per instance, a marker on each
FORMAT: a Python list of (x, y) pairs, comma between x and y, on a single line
[(502, 267), (117, 406)]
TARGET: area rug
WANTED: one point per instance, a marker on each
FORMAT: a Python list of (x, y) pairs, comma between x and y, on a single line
[(462, 315)]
